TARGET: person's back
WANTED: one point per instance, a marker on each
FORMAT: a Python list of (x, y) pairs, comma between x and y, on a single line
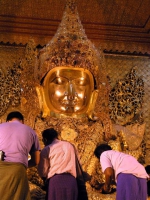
[(62, 158), (16, 141), (122, 163), (58, 165), (130, 175)]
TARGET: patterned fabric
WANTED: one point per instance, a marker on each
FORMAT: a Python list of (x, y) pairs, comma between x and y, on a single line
[(129, 187), (62, 187), (13, 182)]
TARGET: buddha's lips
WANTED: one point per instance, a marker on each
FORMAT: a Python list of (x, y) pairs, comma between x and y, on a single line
[(69, 102)]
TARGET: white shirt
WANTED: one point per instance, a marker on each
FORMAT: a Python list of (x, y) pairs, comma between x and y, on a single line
[(122, 163), (57, 158)]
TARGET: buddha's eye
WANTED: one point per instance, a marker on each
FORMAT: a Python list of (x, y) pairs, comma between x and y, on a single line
[(60, 80), (81, 81)]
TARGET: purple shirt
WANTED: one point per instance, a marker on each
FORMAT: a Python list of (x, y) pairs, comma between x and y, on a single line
[(17, 140), (122, 163)]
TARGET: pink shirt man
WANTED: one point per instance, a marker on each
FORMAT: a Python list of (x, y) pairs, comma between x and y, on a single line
[(17, 140), (122, 163), (57, 158)]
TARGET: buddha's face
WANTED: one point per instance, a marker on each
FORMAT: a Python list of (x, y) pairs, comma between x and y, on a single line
[(68, 91)]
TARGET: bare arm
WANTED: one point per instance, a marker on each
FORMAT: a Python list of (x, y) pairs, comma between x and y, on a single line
[(35, 158), (44, 164), (109, 177)]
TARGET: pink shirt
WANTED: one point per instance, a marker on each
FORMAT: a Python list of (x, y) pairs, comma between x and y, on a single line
[(57, 158), (18, 140), (122, 163)]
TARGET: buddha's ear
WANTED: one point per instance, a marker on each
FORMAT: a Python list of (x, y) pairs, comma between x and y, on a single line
[(90, 111), (42, 103)]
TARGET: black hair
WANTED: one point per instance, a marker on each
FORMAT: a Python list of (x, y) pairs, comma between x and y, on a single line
[(100, 149), (50, 134), (14, 114)]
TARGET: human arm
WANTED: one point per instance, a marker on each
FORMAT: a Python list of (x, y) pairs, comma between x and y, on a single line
[(109, 178), (44, 164), (2, 155), (35, 158)]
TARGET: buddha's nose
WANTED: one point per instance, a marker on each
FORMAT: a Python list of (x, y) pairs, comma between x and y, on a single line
[(71, 91)]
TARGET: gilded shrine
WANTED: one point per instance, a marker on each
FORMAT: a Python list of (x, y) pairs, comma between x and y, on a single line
[(65, 86)]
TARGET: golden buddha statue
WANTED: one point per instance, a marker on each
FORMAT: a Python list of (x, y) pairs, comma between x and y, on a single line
[(73, 93)]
